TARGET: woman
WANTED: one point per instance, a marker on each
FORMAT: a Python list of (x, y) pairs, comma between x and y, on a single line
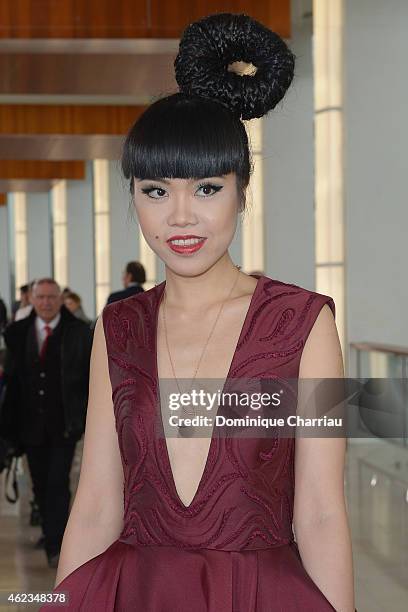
[(73, 302), (187, 524)]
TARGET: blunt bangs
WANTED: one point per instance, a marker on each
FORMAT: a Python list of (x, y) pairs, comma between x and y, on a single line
[(186, 137)]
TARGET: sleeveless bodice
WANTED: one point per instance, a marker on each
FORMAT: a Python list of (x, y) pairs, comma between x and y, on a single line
[(244, 500)]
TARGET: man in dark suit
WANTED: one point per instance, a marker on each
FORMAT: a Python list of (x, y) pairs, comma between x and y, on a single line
[(44, 406), (133, 277)]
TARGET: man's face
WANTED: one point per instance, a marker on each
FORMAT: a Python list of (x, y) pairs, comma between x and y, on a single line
[(46, 299)]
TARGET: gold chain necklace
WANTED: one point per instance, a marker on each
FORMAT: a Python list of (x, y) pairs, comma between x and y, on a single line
[(206, 343)]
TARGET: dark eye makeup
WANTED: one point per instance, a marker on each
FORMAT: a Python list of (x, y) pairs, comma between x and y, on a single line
[(148, 190), (216, 188)]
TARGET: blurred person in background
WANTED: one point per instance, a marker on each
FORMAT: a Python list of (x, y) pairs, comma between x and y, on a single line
[(3, 315), (17, 303), (26, 306), (22, 302), (65, 292), (45, 401), (3, 323), (74, 304), (20, 309), (133, 277)]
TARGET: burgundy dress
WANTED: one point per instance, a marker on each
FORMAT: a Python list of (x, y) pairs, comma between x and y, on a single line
[(232, 549)]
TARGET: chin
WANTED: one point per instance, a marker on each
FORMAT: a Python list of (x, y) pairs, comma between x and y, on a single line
[(191, 266), (188, 265)]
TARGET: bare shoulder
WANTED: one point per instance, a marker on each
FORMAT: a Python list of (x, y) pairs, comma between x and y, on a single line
[(99, 333), (322, 355), (248, 284)]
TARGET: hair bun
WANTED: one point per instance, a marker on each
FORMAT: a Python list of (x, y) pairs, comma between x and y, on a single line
[(210, 45)]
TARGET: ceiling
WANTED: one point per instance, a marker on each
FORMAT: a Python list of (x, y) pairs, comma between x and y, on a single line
[(112, 57)]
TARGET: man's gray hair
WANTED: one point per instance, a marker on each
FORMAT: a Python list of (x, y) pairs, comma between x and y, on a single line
[(46, 280)]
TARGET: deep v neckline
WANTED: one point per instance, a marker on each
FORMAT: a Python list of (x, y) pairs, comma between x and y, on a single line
[(160, 289)]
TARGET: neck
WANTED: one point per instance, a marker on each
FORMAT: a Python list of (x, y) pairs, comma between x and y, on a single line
[(210, 287), (48, 320)]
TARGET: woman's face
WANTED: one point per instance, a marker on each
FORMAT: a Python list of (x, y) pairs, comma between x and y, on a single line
[(188, 223), (71, 304)]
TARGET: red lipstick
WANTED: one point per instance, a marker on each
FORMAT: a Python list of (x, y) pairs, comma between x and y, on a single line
[(186, 244)]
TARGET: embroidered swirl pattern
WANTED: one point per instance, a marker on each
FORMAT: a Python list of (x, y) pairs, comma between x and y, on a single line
[(245, 495)]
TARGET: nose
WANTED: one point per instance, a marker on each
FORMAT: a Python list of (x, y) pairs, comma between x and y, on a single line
[(182, 212)]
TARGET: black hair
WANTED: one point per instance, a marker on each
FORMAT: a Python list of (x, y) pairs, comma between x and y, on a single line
[(182, 136), (136, 271), (198, 132)]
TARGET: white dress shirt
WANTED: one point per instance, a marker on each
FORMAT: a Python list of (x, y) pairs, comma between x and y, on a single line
[(23, 312), (40, 325)]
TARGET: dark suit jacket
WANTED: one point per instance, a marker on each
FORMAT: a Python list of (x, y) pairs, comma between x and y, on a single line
[(125, 293), (76, 344), (3, 315)]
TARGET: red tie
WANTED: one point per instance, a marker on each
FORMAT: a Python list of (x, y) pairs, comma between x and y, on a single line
[(48, 332)]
